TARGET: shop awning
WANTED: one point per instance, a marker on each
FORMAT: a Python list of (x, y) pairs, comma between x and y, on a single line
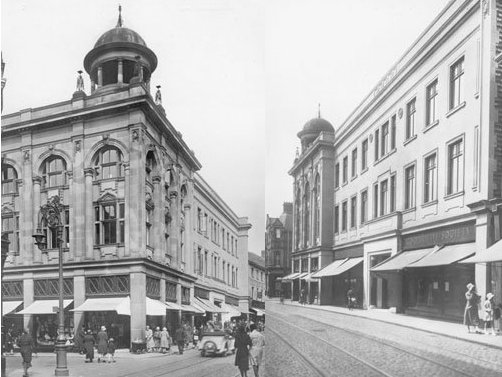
[(401, 260), (351, 263), (10, 306), (231, 310), (192, 309), (329, 269), (155, 307), (44, 307), (290, 276), (445, 255), (301, 275), (492, 254), (173, 306), (208, 305), (121, 305), (259, 312)]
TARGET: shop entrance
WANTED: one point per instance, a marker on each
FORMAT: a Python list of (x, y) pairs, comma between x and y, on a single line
[(378, 284), (117, 326)]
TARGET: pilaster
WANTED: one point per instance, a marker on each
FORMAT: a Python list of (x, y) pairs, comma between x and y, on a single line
[(138, 304), (89, 224), (37, 182)]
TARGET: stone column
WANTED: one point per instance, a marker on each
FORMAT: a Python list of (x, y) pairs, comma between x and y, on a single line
[(127, 182), (163, 297), (78, 217), (156, 235), (187, 257), (178, 301), (100, 77), (93, 86), (78, 298), (89, 215), (37, 181), (482, 281), (138, 304), (136, 199), (26, 229), (120, 74), (28, 298), (175, 228)]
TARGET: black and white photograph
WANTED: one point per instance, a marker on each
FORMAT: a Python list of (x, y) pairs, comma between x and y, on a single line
[(251, 188)]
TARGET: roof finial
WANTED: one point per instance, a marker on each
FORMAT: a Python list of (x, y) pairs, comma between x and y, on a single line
[(319, 110), (119, 22)]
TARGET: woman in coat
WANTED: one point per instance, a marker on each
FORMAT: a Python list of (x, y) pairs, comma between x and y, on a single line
[(26, 345), (242, 342), (102, 344), (256, 352), (471, 316), (164, 340), (150, 343), (489, 317), (89, 346)]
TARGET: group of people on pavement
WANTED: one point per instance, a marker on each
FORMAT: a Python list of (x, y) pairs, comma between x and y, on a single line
[(161, 341), (249, 348), (105, 346), (491, 311)]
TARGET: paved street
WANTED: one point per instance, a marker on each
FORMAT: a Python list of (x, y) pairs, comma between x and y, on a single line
[(129, 365), (312, 342)]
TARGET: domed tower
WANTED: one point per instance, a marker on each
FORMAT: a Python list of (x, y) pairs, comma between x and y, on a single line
[(312, 129), (119, 57)]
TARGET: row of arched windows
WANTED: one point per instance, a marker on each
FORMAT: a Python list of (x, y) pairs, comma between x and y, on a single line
[(308, 215)]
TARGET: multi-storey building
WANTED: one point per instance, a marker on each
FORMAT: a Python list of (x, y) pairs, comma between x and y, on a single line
[(278, 246), (411, 183), (146, 240), (256, 282)]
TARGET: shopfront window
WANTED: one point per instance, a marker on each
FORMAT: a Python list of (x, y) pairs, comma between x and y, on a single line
[(105, 285), (171, 292)]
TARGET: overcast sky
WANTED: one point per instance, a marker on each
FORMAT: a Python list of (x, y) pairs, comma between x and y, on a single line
[(239, 77)]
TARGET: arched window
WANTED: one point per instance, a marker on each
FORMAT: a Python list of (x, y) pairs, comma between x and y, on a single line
[(306, 215), (54, 172), (108, 163), (9, 177), (316, 196), (298, 218)]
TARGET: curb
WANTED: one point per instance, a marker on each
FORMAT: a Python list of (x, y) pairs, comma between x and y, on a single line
[(319, 307)]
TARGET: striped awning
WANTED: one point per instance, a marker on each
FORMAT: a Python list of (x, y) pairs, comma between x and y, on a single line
[(44, 307), (10, 306), (121, 305)]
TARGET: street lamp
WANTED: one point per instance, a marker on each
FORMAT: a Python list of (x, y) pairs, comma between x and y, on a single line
[(5, 253), (50, 215)]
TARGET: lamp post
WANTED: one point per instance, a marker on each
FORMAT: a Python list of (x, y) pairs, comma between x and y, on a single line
[(51, 216), (5, 253)]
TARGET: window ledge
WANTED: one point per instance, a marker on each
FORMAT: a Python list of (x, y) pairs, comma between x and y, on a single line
[(429, 126), (408, 210), (431, 203), (345, 183), (120, 178), (353, 177), (364, 170), (385, 156), (381, 217), (409, 140), (455, 109), (454, 195), (45, 189)]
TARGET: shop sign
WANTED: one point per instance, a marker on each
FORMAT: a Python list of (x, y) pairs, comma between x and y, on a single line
[(444, 236)]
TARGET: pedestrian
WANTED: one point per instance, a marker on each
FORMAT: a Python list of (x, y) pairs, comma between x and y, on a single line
[(164, 340), (110, 352), (179, 336), (242, 345), (471, 315), (302, 296), (195, 336), (489, 317), (351, 299), (89, 346), (102, 339), (156, 339), (149, 339), (256, 351), (26, 345)]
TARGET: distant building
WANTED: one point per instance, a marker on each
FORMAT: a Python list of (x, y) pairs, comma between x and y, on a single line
[(410, 185), (278, 247), (256, 281)]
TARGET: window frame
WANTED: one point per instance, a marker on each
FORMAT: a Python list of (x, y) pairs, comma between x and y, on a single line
[(431, 100), (411, 110), (461, 166), (426, 200), (456, 98), (410, 202), (119, 206)]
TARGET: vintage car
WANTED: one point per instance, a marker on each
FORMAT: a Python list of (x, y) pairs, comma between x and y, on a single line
[(216, 343)]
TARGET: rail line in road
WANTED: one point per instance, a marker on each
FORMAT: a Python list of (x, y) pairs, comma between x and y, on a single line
[(379, 342)]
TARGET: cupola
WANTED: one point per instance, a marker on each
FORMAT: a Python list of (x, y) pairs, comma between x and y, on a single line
[(312, 129), (119, 57)]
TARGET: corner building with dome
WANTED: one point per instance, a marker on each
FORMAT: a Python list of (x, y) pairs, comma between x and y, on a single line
[(402, 202), (146, 240)]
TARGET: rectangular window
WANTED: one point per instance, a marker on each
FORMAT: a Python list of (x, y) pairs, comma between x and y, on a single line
[(377, 144), (353, 212), (410, 119), (364, 206), (430, 108), (337, 175), (392, 193), (393, 132), (10, 226), (345, 168), (384, 189), (337, 219), (456, 83), (375, 201), (109, 225), (409, 194), (364, 154), (354, 163), (344, 216), (430, 179), (199, 220), (385, 139), (455, 168)]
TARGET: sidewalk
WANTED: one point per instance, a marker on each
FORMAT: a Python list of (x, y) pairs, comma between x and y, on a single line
[(450, 329)]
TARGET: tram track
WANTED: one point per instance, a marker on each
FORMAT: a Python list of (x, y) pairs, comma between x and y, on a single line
[(380, 344)]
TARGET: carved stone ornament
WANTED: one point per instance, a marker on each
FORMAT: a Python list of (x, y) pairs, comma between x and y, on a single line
[(400, 113), (77, 146), (486, 8), (106, 138), (51, 147), (26, 156), (135, 135)]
